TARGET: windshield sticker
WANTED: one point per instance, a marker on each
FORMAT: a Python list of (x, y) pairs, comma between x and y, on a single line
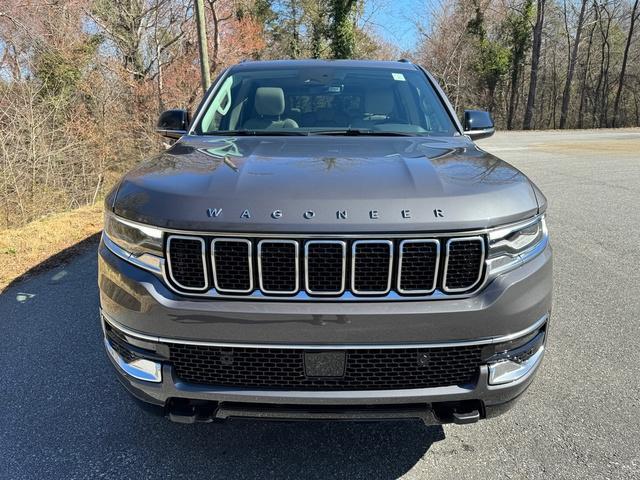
[(398, 76)]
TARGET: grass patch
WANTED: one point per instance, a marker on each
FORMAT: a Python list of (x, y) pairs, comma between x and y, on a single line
[(46, 243)]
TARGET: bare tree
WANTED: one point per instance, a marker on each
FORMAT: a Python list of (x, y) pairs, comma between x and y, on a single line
[(566, 95), (625, 58), (535, 62)]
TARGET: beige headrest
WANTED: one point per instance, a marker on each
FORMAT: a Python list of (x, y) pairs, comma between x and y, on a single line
[(269, 101)]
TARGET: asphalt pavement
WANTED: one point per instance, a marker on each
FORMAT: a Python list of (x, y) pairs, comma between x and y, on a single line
[(64, 415)]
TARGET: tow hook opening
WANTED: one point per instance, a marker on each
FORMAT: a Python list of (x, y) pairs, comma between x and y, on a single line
[(182, 410), (461, 413)]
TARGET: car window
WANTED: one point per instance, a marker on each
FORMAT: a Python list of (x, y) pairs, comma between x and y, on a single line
[(308, 99)]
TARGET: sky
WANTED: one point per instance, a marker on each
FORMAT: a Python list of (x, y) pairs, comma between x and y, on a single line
[(395, 20)]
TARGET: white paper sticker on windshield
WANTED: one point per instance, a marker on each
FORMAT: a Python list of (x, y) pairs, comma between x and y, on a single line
[(398, 76)]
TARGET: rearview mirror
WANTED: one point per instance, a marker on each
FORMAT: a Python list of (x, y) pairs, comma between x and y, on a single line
[(173, 123), (478, 124)]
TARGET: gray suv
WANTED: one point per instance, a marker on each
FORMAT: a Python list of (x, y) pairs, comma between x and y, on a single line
[(324, 240)]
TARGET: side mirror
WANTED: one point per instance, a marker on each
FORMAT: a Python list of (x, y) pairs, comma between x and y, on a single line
[(478, 124), (173, 123)]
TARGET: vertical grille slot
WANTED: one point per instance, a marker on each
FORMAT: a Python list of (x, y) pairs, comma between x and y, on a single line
[(418, 266), (232, 270), (371, 266), (325, 267), (278, 266), (186, 260), (463, 263)]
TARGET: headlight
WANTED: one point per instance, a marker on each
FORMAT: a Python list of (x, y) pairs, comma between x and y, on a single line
[(137, 243), (510, 246)]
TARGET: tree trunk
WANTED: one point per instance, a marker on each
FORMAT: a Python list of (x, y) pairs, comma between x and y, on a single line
[(625, 58), (515, 73), (205, 78), (294, 48), (583, 89), (535, 62), (605, 65), (566, 95)]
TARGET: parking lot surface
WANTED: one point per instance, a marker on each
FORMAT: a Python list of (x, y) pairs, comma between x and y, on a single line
[(63, 414)]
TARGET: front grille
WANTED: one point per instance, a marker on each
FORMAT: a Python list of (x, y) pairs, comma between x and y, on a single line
[(365, 369), (372, 266), (465, 257), (278, 266), (342, 268), (418, 266), (325, 266), (186, 262), (232, 265)]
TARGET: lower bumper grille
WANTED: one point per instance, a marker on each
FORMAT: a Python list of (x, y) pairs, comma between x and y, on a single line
[(364, 369)]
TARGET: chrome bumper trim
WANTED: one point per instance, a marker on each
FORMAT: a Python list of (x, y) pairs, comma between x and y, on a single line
[(482, 341), (508, 371), (139, 368)]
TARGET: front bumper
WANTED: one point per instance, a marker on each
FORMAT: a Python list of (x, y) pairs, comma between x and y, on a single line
[(138, 304), (186, 402)]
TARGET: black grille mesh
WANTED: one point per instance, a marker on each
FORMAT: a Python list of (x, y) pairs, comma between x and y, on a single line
[(324, 267), (418, 265), (232, 265), (187, 268), (371, 267), (366, 369), (464, 263), (279, 269), (118, 343)]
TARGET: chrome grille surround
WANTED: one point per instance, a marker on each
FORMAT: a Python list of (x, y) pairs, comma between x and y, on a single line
[(354, 257), (261, 272), (308, 288), (481, 262), (204, 262), (436, 266), (492, 266), (348, 292), (215, 270)]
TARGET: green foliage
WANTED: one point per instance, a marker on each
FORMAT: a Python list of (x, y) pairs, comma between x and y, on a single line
[(60, 71), (493, 62), (315, 29), (259, 10), (342, 28), (492, 58), (59, 75), (519, 27)]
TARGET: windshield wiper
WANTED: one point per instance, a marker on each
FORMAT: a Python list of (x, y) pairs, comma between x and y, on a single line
[(257, 133), (349, 132)]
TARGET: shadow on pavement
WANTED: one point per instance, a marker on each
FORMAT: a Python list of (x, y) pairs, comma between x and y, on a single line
[(59, 258), (65, 415)]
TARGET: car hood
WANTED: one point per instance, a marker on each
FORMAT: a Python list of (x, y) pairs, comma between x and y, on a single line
[(324, 184)]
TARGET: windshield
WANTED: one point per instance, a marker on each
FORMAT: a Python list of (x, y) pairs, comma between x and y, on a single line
[(326, 100)]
